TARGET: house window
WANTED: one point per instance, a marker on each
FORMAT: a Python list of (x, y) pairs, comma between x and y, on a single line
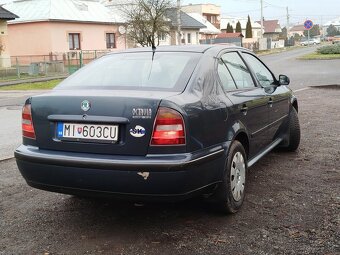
[(110, 40), (74, 41), (189, 38), (162, 37)]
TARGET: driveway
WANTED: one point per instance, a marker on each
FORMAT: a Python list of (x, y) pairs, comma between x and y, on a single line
[(292, 207), (10, 119)]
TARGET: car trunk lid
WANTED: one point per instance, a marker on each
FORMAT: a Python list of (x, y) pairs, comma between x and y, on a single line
[(132, 112)]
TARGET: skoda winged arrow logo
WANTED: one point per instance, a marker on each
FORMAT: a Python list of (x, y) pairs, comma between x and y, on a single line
[(85, 105)]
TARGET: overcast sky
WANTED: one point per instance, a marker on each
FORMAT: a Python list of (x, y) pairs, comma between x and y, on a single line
[(320, 11)]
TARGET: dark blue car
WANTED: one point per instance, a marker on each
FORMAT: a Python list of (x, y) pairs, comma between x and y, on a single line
[(171, 123)]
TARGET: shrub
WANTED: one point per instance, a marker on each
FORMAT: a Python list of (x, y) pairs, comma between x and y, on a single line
[(330, 49)]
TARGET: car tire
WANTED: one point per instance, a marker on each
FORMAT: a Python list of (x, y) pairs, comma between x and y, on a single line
[(294, 132), (229, 195)]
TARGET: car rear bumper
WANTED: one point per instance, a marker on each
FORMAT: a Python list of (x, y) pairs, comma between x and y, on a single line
[(172, 175)]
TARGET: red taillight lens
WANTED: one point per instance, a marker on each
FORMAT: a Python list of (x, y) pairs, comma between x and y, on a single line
[(168, 128), (27, 123)]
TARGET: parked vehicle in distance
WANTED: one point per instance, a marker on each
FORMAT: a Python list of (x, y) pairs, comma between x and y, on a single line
[(311, 41), (168, 123), (336, 39)]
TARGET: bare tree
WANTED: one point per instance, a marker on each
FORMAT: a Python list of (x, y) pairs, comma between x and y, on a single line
[(146, 21)]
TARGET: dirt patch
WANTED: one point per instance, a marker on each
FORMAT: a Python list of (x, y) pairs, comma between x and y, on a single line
[(292, 207)]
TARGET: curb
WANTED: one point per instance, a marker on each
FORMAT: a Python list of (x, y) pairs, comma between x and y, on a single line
[(6, 158)]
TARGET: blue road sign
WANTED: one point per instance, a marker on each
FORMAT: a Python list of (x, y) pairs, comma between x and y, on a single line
[(308, 24)]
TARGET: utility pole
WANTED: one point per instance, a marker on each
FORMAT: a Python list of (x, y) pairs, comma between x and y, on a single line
[(179, 34), (287, 19), (261, 18)]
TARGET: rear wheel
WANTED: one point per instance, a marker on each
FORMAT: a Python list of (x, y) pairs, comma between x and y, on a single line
[(230, 194), (294, 132)]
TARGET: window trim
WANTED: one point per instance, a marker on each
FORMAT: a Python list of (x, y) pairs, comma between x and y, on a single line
[(71, 35), (218, 75), (108, 43), (256, 85), (189, 38), (275, 82)]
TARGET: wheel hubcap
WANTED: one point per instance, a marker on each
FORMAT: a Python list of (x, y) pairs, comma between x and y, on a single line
[(237, 176)]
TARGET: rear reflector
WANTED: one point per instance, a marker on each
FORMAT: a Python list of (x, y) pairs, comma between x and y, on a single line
[(168, 128), (27, 123)]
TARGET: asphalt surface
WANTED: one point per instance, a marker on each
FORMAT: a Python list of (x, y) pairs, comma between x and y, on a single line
[(292, 204), (10, 119), (303, 73), (292, 207)]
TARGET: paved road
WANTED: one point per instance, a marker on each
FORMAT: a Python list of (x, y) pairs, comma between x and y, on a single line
[(292, 207), (10, 119), (304, 72)]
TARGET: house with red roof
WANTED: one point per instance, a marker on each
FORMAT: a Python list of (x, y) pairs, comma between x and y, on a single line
[(271, 29), (296, 30), (232, 38)]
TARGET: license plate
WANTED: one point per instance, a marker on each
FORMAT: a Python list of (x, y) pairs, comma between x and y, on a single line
[(79, 131)]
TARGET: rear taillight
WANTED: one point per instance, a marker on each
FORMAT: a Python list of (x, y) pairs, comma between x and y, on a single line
[(168, 128), (27, 123)]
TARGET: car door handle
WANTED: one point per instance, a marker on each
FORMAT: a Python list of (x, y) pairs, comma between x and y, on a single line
[(244, 109)]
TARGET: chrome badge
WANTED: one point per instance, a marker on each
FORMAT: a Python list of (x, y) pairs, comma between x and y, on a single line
[(85, 105), (141, 113)]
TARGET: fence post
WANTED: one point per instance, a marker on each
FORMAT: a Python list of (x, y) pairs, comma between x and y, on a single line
[(45, 64), (68, 63), (81, 58), (95, 54), (18, 67)]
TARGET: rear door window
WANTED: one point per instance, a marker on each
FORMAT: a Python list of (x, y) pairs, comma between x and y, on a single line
[(225, 77)]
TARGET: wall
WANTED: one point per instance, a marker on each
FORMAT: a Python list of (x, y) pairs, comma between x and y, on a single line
[(194, 37), (30, 38), (195, 8), (92, 36), (5, 60), (41, 38)]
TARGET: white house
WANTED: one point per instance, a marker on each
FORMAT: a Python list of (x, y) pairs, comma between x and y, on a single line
[(208, 32)]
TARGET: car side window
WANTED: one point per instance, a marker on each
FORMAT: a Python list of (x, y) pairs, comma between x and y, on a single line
[(238, 70), (262, 73), (225, 76)]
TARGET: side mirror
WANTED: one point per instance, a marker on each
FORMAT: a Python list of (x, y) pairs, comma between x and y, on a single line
[(284, 80)]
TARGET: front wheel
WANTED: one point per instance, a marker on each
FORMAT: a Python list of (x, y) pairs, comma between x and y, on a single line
[(230, 194)]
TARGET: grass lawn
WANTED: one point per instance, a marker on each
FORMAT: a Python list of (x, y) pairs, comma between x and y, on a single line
[(318, 56), (33, 86), (276, 50)]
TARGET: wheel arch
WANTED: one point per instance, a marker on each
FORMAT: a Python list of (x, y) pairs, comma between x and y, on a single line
[(295, 104), (243, 138)]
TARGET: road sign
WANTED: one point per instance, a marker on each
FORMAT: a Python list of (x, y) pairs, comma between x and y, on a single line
[(308, 24)]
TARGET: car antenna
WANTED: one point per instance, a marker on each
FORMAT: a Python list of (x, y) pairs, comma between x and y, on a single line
[(153, 55), (153, 51)]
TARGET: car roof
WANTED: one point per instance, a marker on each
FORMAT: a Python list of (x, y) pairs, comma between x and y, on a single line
[(202, 48)]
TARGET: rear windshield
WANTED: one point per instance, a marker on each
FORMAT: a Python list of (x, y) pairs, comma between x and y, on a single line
[(169, 71)]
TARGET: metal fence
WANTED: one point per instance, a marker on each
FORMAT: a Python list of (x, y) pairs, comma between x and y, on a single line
[(56, 64)]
